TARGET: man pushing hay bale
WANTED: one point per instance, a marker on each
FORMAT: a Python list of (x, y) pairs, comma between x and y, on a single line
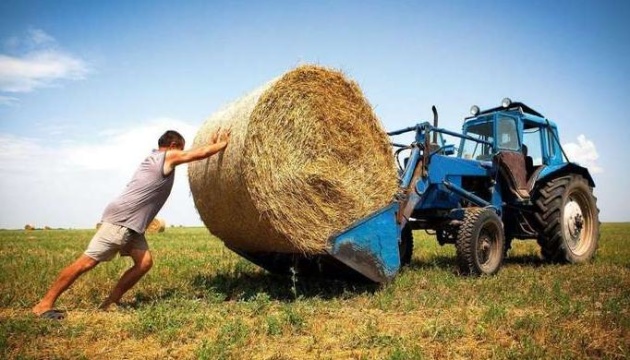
[(307, 157)]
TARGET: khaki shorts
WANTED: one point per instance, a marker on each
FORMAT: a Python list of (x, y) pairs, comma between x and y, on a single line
[(111, 239)]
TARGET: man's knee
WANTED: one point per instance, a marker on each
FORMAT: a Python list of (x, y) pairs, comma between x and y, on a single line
[(142, 260), (146, 264), (84, 263)]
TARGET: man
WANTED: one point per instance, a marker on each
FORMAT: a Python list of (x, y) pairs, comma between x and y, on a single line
[(126, 218)]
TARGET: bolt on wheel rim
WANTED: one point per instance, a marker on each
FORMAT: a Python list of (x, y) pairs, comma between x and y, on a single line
[(487, 247), (574, 224), (485, 244)]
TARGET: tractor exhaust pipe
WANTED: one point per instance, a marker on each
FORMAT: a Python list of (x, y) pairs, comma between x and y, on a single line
[(435, 122)]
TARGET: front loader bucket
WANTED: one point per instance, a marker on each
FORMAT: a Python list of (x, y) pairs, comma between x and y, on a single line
[(367, 249), (370, 245)]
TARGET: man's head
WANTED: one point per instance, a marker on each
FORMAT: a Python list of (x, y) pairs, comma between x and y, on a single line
[(172, 140)]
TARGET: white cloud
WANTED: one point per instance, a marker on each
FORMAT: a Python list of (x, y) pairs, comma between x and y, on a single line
[(111, 149), (584, 153), (17, 154), (123, 148), (38, 37), (69, 184), (38, 69), (41, 64), (8, 100)]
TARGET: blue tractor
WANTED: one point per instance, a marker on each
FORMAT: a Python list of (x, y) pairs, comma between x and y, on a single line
[(508, 178)]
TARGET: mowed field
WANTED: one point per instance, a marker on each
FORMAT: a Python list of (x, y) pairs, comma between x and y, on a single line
[(201, 301)]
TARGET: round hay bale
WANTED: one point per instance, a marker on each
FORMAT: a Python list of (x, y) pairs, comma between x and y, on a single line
[(307, 157), (156, 226)]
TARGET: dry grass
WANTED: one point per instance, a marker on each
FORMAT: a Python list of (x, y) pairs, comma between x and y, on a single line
[(200, 301), (308, 158)]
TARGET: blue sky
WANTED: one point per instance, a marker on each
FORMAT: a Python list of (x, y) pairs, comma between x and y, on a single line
[(86, 87)]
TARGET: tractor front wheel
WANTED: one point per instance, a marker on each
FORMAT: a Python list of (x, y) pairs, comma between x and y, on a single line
[(480, 242)]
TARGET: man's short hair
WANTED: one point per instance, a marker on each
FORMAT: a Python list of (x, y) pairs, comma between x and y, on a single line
[(169, 137)]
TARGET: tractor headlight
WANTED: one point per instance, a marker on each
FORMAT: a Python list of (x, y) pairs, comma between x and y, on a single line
[(474, 110), (506, 102)]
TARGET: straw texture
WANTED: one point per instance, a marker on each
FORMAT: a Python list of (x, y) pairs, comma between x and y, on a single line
[(307, 157)]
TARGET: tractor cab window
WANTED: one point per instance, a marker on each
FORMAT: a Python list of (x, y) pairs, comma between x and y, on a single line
[(532, 144), (507, 135), (470, 149), (551, 146)]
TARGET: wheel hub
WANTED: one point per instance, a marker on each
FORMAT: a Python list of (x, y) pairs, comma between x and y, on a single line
[(573, 222), (485, 249)]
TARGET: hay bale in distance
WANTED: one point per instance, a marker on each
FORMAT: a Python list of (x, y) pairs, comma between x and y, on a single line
[(307, 157), (156, 226)]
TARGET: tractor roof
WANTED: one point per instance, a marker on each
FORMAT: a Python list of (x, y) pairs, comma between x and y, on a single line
[(530, 116), (513, 106)]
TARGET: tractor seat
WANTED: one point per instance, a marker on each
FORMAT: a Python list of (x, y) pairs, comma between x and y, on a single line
[(513, 169), (529, 164)]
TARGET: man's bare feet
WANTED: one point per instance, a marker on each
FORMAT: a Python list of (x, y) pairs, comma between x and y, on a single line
[(40, 309), (53, 314), (108, 305)]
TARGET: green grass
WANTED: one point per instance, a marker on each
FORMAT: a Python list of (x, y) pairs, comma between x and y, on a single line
[(201, 301)]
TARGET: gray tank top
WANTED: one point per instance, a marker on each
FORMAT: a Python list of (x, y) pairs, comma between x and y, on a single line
[(143, 197)]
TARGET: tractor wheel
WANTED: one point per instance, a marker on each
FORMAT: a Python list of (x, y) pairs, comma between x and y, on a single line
[(569, 220), (405, 248), (480, 243)]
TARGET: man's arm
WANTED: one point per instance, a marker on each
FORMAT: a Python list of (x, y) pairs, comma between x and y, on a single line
[(176, 157)]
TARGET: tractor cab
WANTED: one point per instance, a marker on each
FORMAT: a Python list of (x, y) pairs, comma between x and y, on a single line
[(517, 139)]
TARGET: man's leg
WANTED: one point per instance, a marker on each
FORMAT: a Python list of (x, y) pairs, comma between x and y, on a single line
[(66, 278), (142, 263)]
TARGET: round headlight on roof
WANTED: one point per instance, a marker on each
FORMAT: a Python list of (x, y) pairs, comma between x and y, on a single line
[(474, 110), (506, 102)]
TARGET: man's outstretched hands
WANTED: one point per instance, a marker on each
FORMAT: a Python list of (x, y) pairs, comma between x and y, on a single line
[(225, 135), (218, 141), (214, 137), (221, 135)]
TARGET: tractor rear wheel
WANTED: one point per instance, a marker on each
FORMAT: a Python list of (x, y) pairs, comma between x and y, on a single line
[(480, 242), (568, 219), (405, 248)]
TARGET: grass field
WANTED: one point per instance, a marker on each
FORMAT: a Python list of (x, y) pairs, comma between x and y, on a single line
[(201, 301)]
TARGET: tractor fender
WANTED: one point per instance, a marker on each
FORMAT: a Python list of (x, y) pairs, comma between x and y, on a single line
[(564, 169)]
